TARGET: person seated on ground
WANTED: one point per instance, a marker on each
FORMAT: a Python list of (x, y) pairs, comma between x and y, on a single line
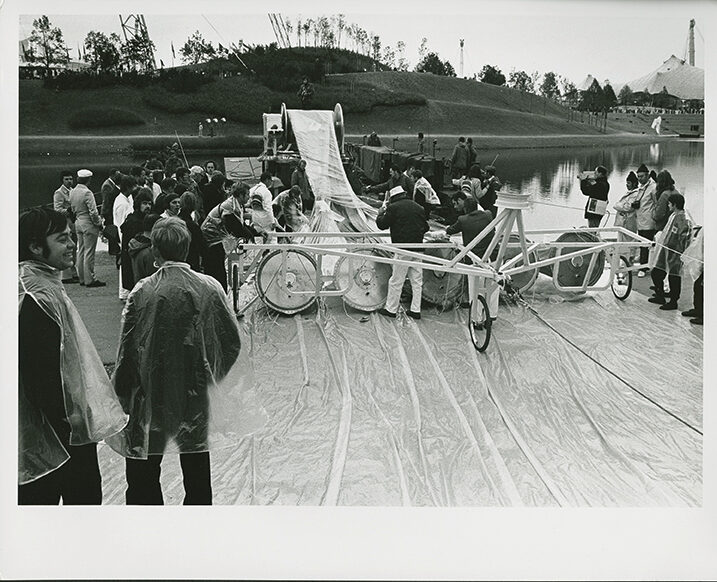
[(595, 186), (424, 194), (671, 244), (664, 186), (407, 222), (66, 404), (396, 178), (491, 186), (373, 140), (197, 245), (168, 186), (140, 251), (179, 339)]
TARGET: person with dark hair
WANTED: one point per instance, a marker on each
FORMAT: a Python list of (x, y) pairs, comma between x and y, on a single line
[(124, 204), (140, 249), (139, 174), (645, 206), (670, 245), (87, 225), (664, 187), (65, 399), (184, 180), (306, 93), (300, 179), (491, 186), (407, 222), (396, 178), (472, 152), (153, 180), (459, 159), (160, 204), (626, 215), (222, 221), (197, 245), (179, 339), (173, 161), (595, 186), (421, 149), (172, 204), (109, 191), (424, 194), (212, 193), (61, 204), (373, 140), (131, 227), (210, 166)]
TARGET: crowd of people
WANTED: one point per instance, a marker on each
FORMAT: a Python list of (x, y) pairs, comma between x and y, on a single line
[(210, 205)]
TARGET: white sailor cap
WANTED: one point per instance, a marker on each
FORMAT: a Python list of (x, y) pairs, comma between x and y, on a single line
[(84, 174)]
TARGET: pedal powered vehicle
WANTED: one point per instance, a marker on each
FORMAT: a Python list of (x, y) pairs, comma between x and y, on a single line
[(292, 270)]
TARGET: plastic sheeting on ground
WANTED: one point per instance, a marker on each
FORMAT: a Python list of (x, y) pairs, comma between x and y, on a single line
[(376, 411)]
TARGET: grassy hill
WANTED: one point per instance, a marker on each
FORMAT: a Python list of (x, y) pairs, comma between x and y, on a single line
[(387, 102)]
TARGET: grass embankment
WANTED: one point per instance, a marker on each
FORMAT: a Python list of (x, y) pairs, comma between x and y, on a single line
[(386, 102)]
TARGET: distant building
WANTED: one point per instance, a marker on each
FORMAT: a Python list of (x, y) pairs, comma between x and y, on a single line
[(35, 70), (674, 77)]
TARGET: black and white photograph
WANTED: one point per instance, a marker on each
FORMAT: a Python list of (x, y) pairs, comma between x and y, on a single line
[(408, 291)]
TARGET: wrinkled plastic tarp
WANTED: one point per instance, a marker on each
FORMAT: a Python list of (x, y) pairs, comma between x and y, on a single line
[(398, 412), (181, 373), (93, 410)]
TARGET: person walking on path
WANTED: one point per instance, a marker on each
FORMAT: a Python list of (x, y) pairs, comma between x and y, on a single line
[(65, 399), (61, 204), (645, 206), (670, 246), (178, 341), (408, 224), (87, 224), (596, 187)]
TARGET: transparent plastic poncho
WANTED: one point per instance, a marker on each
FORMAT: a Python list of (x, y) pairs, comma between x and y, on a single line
[(92, 408), (181, 374)]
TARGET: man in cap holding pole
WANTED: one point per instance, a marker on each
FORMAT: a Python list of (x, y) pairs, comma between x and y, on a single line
[(87, 225), (407, 222)]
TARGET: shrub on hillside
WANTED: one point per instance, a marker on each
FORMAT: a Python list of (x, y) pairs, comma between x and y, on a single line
[(104, 117)]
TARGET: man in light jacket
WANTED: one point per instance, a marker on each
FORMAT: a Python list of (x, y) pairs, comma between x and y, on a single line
[(645, 206), (87, 224)]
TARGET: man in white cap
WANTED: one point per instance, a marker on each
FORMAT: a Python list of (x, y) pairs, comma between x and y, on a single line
[(407, 222), (87, 224)]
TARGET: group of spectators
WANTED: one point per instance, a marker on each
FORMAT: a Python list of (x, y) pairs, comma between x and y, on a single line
[(654, 209), (210, 205)]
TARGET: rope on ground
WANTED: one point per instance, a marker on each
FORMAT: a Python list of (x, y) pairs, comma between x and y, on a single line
[(518, 297)]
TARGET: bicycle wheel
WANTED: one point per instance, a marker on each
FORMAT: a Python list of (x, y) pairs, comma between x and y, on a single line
[(283, 279), (479, 323), (622, 280)]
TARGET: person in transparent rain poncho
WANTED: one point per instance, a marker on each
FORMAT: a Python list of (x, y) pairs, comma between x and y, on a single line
[(65, 398), (178, 343)]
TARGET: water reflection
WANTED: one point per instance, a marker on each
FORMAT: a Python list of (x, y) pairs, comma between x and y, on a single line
[(549, 176)]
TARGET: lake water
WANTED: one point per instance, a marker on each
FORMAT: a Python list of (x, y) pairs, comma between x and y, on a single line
[(548, 175)]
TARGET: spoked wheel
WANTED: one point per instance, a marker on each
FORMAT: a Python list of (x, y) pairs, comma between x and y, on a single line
[(479, 323), (283, 280), (622, 280)]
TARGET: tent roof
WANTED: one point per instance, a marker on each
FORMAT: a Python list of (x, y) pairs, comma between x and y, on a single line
[(679, 78), (586, 84)]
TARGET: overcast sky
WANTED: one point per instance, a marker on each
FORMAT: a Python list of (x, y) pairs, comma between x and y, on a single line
[(612, 40)]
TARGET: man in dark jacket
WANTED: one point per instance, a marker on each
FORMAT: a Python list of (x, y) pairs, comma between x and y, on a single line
[(407, 222), (396, 178), (460, 159), (596, 187)]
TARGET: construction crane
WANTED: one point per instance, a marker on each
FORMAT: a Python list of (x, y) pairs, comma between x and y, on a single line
[(280, 31), (134, 27)]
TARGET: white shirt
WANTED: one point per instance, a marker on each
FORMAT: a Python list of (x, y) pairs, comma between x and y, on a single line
[(156, 191), (122, 206), (265, 194)]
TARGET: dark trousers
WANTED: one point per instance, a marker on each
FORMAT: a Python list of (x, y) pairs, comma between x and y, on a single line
[(214, 264), (143, 486), (698, 297), (649, 235), (77, 482), (658, 278), (594, 222)]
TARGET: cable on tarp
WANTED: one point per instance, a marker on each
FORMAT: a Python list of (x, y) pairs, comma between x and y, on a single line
[(515, 294)]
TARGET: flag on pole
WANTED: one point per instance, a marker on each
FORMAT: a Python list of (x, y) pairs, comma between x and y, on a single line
[(173, 55)]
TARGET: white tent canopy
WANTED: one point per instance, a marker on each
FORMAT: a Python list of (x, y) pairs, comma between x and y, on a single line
[(675, 75)]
